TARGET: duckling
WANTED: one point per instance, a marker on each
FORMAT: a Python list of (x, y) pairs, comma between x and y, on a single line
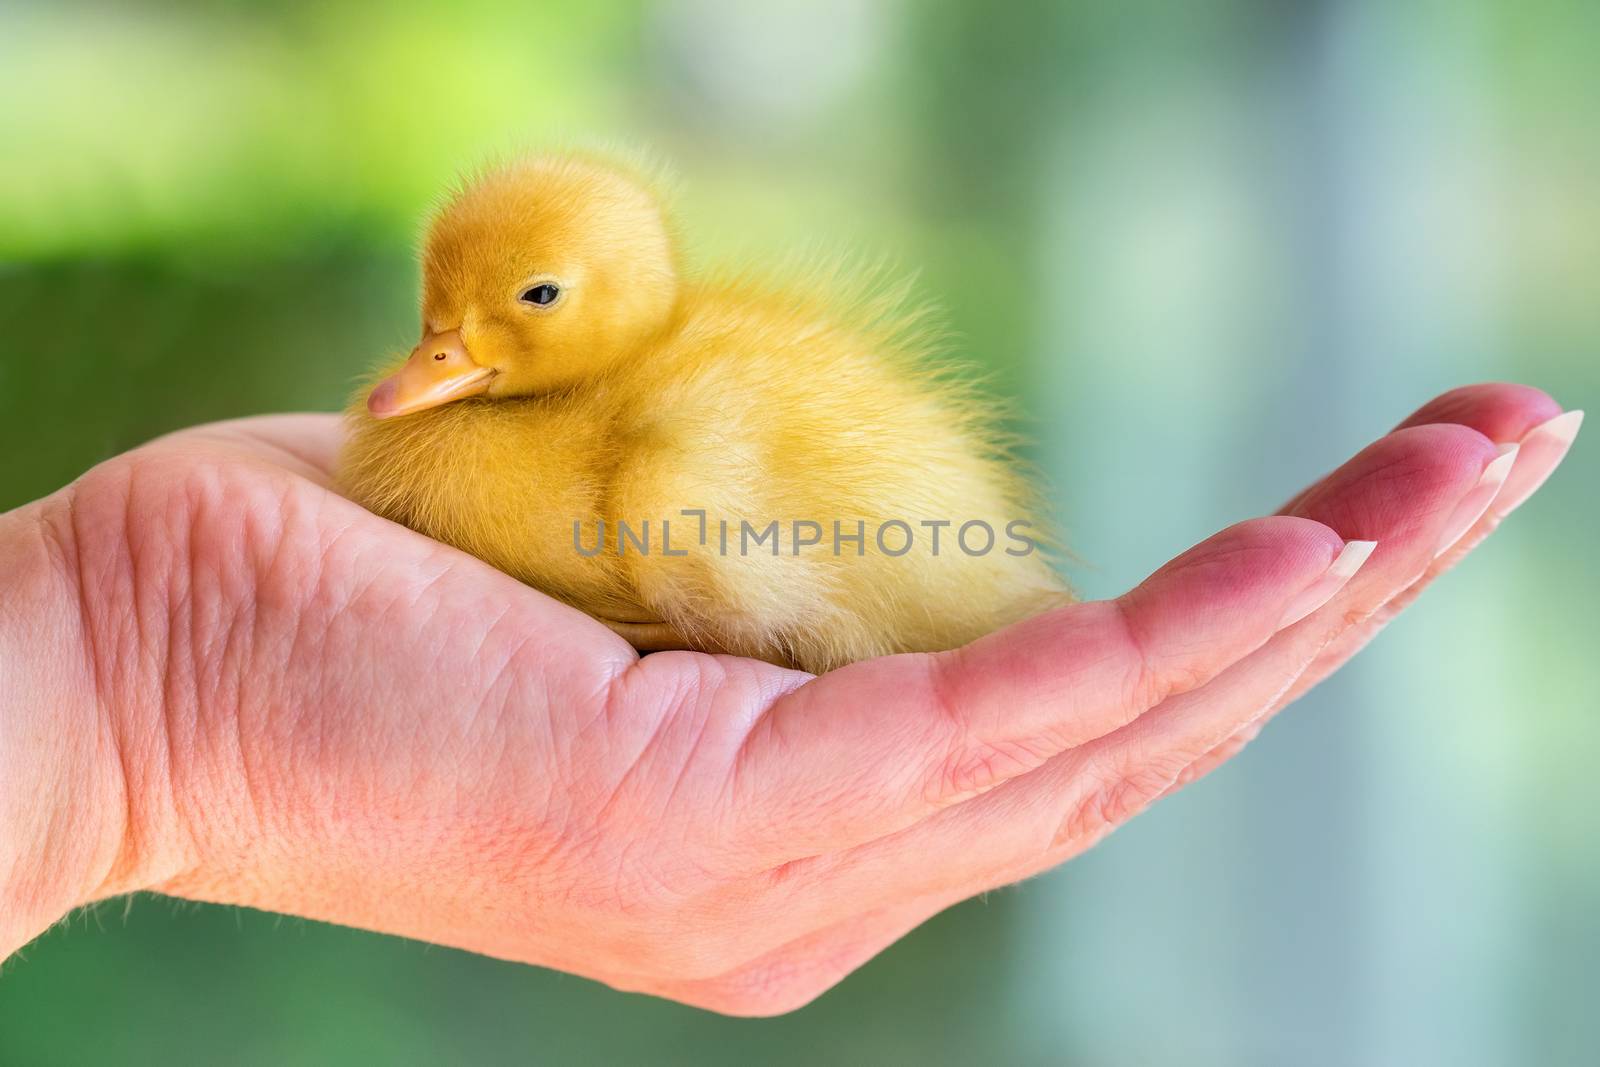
[(768, 467)]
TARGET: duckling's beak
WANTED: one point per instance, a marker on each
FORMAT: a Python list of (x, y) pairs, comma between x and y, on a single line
[(440, 370)]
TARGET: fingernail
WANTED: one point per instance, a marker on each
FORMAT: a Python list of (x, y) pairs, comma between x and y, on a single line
[(1543, 449), (1478, 498), (1340, 571)]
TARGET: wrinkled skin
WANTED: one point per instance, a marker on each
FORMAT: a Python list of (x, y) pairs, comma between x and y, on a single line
[(228, 683)]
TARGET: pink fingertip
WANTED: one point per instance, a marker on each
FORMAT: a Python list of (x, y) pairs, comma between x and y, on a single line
[(1344, 567), (1543, 449), (1563, 428), (1476, 503)]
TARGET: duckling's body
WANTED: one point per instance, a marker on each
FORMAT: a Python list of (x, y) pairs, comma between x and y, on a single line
[(807, 404)]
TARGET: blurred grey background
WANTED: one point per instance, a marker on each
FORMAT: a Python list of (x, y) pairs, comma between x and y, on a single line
[(1214, 247)]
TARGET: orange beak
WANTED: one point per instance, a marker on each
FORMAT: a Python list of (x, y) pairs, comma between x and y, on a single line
[(440, 370)]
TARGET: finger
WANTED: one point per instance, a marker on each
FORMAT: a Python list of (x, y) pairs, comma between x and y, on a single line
[(1508, 414), (1542, 450), (1222, 753), (1415, 554), (930, 730), (1512, 415), (1501, 411), (1504, 413), (1400, 492), (1417, 485)]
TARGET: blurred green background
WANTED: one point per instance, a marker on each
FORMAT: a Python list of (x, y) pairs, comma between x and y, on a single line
[(1215, 247)]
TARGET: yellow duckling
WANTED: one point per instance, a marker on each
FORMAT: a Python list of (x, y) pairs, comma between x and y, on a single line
[(718, 463)]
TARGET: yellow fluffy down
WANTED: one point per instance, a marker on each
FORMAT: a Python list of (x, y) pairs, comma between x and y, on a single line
[(647, 392)]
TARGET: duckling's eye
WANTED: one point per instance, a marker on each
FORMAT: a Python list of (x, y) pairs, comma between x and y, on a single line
[(541, 295)]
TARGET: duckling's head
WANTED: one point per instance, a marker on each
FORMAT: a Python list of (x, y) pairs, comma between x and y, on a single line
[(535, 277)]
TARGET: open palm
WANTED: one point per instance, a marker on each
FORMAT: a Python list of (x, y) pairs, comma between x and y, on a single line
[(315, 711)]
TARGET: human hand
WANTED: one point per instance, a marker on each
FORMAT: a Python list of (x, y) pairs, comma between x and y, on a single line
[(228, 683)]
